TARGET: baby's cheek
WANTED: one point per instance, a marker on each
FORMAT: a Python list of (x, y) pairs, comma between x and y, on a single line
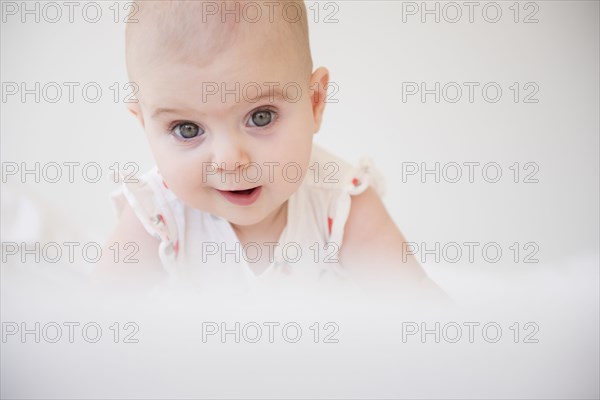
[(172, 173), (163, 156), (188, 190), (182, 183)]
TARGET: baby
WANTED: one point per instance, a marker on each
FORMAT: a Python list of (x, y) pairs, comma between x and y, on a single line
[(230, 102)]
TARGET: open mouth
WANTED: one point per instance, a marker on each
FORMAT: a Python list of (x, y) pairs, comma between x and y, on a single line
[(241, 197), (243, 192)]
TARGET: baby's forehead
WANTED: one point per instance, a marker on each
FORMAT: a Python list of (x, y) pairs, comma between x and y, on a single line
[(207, 27)]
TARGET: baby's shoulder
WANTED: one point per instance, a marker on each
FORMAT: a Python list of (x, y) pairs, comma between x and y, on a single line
[(330, 188), (328, 173), (154, 206)]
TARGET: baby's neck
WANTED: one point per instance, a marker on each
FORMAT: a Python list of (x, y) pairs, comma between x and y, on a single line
[(267, 230)]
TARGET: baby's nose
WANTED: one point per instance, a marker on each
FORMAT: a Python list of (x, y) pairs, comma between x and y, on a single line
[(229, 152)]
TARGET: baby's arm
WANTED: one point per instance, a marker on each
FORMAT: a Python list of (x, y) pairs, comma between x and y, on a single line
[(145, 265), (372, 251)]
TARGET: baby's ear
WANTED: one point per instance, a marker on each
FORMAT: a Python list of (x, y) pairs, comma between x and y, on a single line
[(318, 95), (135, 109)]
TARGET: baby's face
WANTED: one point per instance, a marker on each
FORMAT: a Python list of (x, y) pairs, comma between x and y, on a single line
[(244, 121)]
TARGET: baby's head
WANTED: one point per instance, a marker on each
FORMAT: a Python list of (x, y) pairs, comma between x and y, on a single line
[(228, 99)]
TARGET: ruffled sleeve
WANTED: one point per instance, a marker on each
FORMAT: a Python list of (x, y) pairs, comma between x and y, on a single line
[(354, 181), (152, 202)]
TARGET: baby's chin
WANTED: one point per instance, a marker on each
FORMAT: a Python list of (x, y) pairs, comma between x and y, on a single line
[(244, 220), (248, 216), (238, 215), (266, 209)]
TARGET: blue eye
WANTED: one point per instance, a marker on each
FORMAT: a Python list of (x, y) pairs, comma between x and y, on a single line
[(188, 130), (261, 118)]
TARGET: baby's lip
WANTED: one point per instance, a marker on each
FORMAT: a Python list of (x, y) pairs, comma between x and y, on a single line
[(237, 189), (244, 197)]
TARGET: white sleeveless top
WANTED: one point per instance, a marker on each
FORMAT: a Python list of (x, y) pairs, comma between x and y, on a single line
[(203, 248)]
